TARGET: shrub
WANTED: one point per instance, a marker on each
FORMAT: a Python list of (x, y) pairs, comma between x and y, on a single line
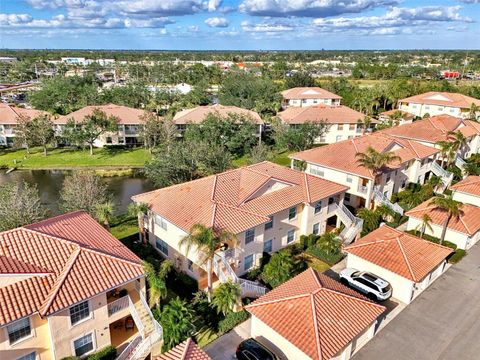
[(108, 353), (457, 256), (232, 320), (279, 269), (433, 239), (330, 259), (182, 284)]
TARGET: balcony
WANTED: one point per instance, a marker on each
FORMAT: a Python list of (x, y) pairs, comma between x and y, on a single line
[(117, 305), (362, 189)]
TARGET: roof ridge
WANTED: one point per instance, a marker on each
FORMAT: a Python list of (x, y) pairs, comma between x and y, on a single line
[(460, 217), (327, 289), (315, 326), (307, 188), (436, 127), (406, 259), (274, 301), (185, 351), (413, 148), (214, 213)]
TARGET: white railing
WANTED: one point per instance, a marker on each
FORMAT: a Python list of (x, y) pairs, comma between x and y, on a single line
[(439, 171), (381, 198), (130, 349), (144, 348), (117, 305), (156, 326), (460, 163), (349, 234), (136, 317)]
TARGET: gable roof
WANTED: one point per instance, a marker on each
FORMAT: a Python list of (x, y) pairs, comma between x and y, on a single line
[(197, 114), (433, 129), (315, 313), (308, 93), (469, 185), (406, 255), (63, 270), (467, 223), (186, 350), (125, 114), (442, 98), (10, 114), (328, 155), (233, 200), (338, 114)]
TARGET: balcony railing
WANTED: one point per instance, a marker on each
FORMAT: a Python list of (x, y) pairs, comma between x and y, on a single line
[(362, 189), (118, 305)]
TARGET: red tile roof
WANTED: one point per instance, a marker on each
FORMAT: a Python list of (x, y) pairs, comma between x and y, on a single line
[(321, 113), (187, 350), (299, 93), (10, 114), (469, 185), (467, 223), (228, 200), (401, 253), (198, 114), (316, 314), (442, 98), (125, 114), (328, 155), (433, 129), (405, 114), (63, 269)]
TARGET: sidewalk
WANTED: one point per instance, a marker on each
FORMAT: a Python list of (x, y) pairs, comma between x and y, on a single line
[(225, 346)]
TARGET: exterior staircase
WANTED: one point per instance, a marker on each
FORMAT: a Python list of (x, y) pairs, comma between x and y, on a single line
[(353, 224), (225, 273), (380, 198), (445, 175)]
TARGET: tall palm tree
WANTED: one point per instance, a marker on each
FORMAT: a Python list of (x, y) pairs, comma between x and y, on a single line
[(446, 151), (226, 296), (474, 109), (375, 161), (139, 210), (458, 140), (104, 213), (207, 241), (157, 282), (424, 225), (451, 207)]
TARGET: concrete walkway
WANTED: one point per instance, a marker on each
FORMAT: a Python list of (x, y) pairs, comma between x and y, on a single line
[(441, 324), (225, 346)]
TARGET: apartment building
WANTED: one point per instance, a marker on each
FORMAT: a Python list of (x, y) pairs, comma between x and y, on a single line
[(467, 191), (439, 103), (396, 117), (308, 96), (130, 124), (339, 162), (341, 122), (267, 206), (9, 117), (69, 288), (197, 114)]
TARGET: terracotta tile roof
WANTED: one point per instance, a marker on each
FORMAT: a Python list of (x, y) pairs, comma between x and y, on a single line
[(187, 350), (321, 113), (72, 269), (316, 314), (235, 200), (328, 155), (469, 185), (10, 114), (308, 93), (442, 98), (405, 114), (13, 266), (198, 114), (467, 223), (125, 114), (401, 253)]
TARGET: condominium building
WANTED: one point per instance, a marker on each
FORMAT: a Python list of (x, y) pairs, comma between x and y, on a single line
[(396, 117), (308, 96), (69, 288), (438, 103), (467, 191), (9, 117), (266, 206)]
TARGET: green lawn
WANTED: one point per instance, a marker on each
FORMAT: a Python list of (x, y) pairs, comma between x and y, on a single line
[(280, 158), (69, 158), (123, 229), (314, 263)]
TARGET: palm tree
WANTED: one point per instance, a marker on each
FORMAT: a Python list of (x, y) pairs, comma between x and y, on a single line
[(156, 282), (445, 150), (375, 161), (177, 320), (424, 225), (104, 213), (371, 219), (474, 109), (459, 141), (226, 296), (329, 243), (451, 207), (471, 169), (207, 241), (139, 210)]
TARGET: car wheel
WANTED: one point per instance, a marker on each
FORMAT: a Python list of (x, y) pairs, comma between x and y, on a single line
[(372, 296), (344, 281)]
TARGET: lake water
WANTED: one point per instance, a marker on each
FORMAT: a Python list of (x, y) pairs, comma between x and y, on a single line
[(49, 184)]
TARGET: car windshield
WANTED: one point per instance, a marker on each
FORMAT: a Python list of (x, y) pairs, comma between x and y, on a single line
[(386, 288), (355, 274)]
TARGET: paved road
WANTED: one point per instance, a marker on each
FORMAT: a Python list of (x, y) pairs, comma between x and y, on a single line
[(442, 323), (225, 346)]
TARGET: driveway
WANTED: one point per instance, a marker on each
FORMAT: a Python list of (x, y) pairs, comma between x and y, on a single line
[(442, 323), (225, 346)]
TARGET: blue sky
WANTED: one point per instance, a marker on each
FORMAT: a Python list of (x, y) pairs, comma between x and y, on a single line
[(240, 24)]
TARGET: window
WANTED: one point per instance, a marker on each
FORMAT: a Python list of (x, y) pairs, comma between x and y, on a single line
[(109, 139), (248, 262), (318, 207), (292, 213), (269, 224), (347, 197), (290, 236), (349, 179), (351, 127), (267, 246), (315, 170), (31, 356), (190, 265), (323, 139), (79, 312), (440, 108), (427, 107), (338, 138), (331, 200), (18, 330), (249, 235), (83, 345), (161, 245), (452, 110), (316, 228), (388, 177), (161, 222), (339, 127)]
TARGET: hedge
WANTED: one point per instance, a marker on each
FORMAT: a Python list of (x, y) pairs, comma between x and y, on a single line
[(108, 353), (330, 259), (458, 255), (231, 320)]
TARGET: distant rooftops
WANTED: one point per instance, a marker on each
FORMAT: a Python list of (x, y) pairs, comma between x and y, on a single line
[(442, 98), (338, 114), (126, 115), (300, 93), (197, 114)]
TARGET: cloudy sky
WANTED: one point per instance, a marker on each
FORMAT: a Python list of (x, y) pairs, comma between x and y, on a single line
[(240, 24)]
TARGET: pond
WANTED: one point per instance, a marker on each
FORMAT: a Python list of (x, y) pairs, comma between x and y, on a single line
[(49, 184)]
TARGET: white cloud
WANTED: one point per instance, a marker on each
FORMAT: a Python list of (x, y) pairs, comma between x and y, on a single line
[(217, 22), (213, 5), (266, 27)]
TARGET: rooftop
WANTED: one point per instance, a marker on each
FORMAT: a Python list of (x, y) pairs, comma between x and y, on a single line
[(315, 313), (469, 185), (339, 114), (186, 350), (10, 114), (308, 93), (126, 115), (442, 98), (198, 114)]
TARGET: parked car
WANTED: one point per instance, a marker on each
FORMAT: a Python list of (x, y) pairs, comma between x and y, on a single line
[(367, 283), (251, 349)]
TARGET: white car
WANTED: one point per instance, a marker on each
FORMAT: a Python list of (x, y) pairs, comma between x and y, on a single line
[(371, 285)]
